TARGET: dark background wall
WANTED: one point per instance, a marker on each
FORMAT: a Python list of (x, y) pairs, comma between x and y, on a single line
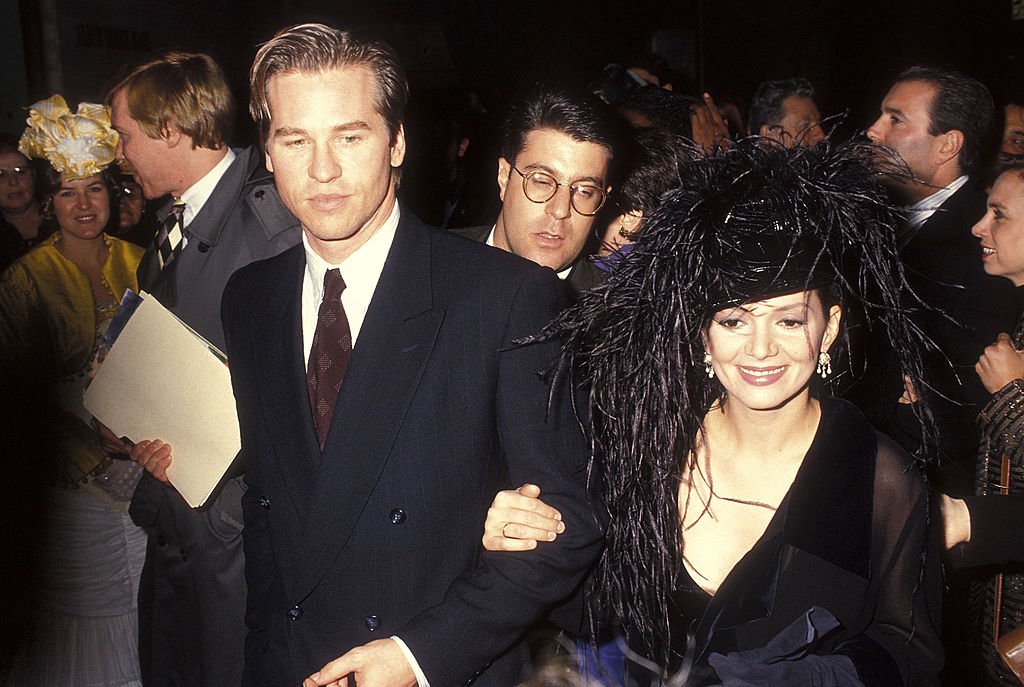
[(849, 49)]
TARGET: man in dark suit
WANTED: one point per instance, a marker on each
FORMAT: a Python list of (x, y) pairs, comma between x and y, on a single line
[(937, 121), (174, 114), (553, 177), (365, 506)]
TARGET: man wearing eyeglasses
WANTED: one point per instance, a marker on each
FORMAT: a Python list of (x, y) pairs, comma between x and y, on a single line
[(786, 112), (553, 178)]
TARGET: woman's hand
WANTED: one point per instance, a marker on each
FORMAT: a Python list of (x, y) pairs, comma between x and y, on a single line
[(956, 520), (154, 455), (1000, 364), (518, 519)]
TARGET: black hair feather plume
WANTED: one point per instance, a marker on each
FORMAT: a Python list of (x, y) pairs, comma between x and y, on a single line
[(637, 338)]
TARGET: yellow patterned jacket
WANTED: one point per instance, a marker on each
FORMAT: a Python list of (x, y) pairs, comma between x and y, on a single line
[(48, 323)]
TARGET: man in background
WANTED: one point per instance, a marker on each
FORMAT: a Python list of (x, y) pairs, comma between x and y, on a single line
[(174, 114)]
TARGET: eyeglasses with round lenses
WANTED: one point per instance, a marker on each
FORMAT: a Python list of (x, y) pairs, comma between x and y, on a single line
[(540, 187), (19, 173)]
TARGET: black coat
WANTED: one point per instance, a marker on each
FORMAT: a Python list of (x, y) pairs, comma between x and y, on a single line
[(381, 535), (969, 308)]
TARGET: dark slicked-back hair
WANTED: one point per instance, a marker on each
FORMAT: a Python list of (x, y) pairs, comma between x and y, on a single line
[(581, 117), (316, 48), (766, 106), (179, 91), (962, 103)]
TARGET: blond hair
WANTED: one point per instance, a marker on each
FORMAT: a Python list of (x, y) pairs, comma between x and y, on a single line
[(317, 48), (180, 91)]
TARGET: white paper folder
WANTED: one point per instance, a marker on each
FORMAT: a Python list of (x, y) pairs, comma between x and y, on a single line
[(161, 380)]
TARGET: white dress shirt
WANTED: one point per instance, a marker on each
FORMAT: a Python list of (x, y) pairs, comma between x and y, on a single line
[(196, 195), (918, 213), (361, 272)]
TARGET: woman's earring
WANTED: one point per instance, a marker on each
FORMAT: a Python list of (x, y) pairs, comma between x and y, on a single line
[(709, 370), (824, 365)]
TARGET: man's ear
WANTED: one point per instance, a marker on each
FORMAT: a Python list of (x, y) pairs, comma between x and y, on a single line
[(398, 147), (504, 169), (172, 136), (950, 145), (267, 161)]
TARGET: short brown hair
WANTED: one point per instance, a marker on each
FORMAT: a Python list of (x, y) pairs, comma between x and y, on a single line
[(316, 48), (180, 91)]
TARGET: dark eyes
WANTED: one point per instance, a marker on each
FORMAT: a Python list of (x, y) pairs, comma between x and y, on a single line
[(786, 322)]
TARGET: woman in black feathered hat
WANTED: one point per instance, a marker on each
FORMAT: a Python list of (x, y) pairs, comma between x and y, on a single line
[(760, 531)]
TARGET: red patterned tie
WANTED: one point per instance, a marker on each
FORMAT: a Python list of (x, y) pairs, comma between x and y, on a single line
[(329, 356)]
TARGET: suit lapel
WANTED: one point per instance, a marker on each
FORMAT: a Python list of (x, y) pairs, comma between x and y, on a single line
[(285, 400), (387, 363)]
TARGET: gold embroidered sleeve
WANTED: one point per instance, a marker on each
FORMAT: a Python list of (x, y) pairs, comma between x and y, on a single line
[(1002, 420)]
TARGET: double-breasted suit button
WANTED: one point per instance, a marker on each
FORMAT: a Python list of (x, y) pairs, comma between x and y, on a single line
[(397, 516), (264, 503), (372, 623), (294, 613)]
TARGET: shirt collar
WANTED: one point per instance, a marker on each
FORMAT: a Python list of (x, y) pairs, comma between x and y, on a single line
[(561, 275), (197, 194), (923, 209), (360, 270)]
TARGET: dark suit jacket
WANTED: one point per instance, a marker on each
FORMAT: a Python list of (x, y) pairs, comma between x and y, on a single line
[(584, 274), (851, 536), (192, 593), (943, 266), (381, 534)]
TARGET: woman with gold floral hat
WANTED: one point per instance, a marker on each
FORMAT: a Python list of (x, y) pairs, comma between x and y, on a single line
[(55, 304)]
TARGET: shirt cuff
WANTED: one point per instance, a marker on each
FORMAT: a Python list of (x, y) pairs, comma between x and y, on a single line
[(421, 679)]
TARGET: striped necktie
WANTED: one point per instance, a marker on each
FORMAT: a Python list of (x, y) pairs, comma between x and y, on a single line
[(168, 238)]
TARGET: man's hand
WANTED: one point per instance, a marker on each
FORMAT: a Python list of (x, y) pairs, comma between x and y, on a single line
[(1000, 364), (380, 663), (518, 519), (709, 128), (153, 455)]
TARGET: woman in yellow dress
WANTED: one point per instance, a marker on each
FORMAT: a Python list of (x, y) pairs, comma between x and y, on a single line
[(55, 304)]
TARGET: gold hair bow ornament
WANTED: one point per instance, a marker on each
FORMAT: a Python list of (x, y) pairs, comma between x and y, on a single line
[(78, 145)]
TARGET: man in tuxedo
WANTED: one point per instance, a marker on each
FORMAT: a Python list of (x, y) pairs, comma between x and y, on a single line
[(174, 114), (553, 178), (382, 400), (937, 122)]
